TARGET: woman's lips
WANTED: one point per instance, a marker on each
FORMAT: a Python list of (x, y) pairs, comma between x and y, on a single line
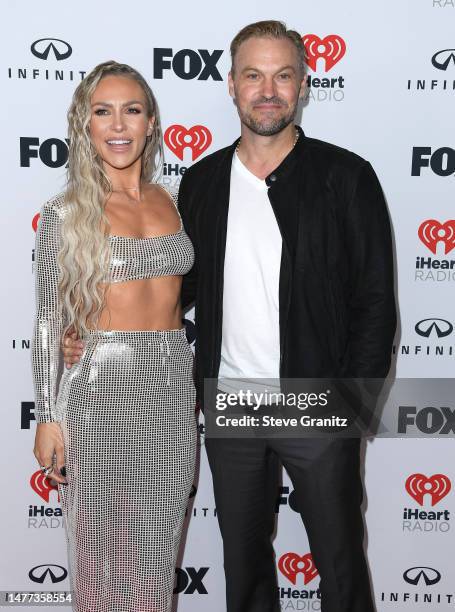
[(119, 144)]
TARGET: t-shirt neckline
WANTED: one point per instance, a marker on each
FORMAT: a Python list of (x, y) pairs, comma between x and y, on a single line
[(240, 167)]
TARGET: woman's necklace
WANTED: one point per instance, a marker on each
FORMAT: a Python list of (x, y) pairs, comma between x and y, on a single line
[(125, 189)]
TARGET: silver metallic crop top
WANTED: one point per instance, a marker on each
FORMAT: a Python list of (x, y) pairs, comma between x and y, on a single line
[(131, 259), (137, 258)]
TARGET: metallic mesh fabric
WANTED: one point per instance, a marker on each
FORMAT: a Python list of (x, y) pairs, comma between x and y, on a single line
[(135, 258), (131, 259), (128, 421), (127, 413), (49, 321)]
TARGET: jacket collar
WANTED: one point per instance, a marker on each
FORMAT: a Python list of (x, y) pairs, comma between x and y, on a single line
[(288, 163)]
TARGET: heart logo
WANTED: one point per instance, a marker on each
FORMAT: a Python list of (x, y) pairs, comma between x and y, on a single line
[(290, 564), (331, 48), (177, 138), (431, 232), (35, 222), (42, 485), (437, 486)]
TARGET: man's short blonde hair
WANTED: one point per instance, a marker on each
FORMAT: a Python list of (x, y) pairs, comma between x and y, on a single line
[(270, 29)]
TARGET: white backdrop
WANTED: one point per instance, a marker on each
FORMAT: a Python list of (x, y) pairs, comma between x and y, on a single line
[(389, 103)]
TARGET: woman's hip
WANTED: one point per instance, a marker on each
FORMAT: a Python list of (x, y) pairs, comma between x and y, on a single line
[(129, 371)]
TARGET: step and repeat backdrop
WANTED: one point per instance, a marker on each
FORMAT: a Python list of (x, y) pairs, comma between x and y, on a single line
[(383, 85)]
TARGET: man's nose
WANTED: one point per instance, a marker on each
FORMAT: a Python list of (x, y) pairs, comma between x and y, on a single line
[(268, 87)]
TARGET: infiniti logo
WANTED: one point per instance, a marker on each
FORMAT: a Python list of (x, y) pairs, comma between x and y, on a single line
[(414, 575), (442, 59), (42, 47), (440, 327), (56, 573)]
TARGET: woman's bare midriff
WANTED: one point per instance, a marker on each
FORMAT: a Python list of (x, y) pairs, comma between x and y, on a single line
[(143, 305)]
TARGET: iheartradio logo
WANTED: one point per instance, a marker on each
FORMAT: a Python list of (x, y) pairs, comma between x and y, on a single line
[(431, 232), (331, 49), (43, 486), (290, 564), (35, 222), (198, 138), (436, 486)]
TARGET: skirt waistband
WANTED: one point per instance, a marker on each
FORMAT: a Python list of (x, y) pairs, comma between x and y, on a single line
[(136, 336)]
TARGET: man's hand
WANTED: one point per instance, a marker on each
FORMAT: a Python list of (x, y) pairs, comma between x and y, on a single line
[(72, 349)]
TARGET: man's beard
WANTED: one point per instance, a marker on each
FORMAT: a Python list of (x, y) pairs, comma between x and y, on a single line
[(268, 127)]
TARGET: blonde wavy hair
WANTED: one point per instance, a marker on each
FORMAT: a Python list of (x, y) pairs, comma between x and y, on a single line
[(84, 256)]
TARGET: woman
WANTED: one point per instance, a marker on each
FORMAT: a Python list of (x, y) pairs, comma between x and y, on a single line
[(120, 434)]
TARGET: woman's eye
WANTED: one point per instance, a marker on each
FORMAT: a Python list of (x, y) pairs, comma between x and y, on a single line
[(134, 110), (101, 111)]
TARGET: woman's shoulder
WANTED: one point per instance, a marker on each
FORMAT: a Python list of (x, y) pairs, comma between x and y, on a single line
[(171, 190), (52, 215), (56, 205)]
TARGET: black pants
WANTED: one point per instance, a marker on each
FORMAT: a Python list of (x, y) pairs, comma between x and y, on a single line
[(326, 478)]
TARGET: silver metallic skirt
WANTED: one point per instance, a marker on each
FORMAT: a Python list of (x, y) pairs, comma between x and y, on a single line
[(127, 412)]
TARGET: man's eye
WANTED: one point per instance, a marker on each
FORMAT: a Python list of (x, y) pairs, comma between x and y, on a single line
[(284, 76), (252, 76)]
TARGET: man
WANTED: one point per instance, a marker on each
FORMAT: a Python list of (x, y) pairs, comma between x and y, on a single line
[(293, 279)]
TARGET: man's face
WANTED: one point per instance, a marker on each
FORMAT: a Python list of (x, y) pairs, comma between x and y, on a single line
[(266, 84)]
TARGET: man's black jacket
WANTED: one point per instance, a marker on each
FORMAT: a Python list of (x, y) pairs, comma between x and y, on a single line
[(336, 293)]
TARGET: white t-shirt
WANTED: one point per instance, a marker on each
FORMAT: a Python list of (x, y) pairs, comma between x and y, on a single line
[(251, 336)]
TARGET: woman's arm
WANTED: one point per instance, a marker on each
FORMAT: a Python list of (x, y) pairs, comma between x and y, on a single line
[(49, 447), (48, 322)]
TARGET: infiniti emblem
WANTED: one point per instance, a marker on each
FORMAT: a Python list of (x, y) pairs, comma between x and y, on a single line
[(56, 573), (44, 46), (414, 575), (442, 59), (440, 327)]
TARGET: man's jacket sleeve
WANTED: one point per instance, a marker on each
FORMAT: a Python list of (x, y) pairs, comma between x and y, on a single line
[(371, 310)]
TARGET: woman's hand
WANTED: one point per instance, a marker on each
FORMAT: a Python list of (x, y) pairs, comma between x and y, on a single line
[(49, 450), (72, 349)]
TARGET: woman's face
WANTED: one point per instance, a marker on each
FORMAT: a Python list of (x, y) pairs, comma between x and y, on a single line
[(119, 124)]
